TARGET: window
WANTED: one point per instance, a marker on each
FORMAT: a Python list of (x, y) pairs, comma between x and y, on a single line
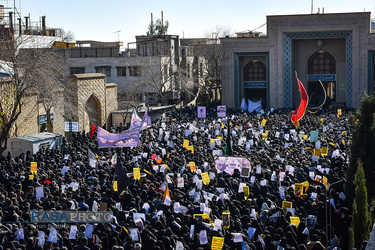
[(121, 71), (106, 70), (255, 70), (77, 70), (135, 71)]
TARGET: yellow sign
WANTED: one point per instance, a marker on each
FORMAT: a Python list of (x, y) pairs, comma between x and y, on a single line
[(298, 189), (321, 119), (217, 243), (339, 112), (264, 136), (185, 144), (115, 188), (332, 143), (246, 191), (34, 167), (204, 217), (343, 142), (220, 138), (212, 140), (324, 151), (325, 182), (136, 173), (190, 148), (317, 152), (31, 177), (306, 185), (205, 178), (264, 121), (286, 204), (226, 220), (193, 168), (222, 125), (294, 220)]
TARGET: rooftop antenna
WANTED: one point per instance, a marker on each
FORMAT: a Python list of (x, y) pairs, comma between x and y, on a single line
[(118, 34)]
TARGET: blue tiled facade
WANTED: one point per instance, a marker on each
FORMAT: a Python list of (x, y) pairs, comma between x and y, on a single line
[(287, 60)]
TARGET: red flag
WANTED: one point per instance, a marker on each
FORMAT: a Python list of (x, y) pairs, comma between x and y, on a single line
[(92, 130), (300, 111)]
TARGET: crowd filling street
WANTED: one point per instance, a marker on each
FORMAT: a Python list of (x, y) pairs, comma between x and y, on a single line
[(243, 181)]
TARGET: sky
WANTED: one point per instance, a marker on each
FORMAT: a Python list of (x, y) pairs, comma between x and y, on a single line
[(114, 20)]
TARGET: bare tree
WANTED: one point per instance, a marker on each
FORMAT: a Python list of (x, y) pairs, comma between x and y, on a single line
[(67, 35), (212, 66), (51, 89), (25, 67), (162, 76)]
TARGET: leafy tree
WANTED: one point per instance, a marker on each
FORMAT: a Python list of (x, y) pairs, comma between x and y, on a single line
[(158, 28), (361, 215), (362, 146)]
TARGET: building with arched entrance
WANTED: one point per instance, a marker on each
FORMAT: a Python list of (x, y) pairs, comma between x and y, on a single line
[(336, 49), (94, 100)]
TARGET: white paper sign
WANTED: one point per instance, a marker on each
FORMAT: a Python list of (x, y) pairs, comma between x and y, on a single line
[(52, 235), (41, 238), (39, 192), (203, 237), (73, 232)]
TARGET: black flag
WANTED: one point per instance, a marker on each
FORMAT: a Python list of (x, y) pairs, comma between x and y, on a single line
[(228, 146), (122, 179)]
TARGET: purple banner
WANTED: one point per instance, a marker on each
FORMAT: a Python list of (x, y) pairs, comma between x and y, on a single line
[(136, 121), (128, 138), (201, 112), (146, 121)]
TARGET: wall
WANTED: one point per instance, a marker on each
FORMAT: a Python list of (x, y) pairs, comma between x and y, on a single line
[(89, 85), (347, 34)]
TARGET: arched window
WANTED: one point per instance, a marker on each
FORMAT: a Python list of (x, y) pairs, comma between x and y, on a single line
[(255, 71), (321, 63)]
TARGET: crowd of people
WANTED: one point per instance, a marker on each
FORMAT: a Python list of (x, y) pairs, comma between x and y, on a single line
[(170, 207)]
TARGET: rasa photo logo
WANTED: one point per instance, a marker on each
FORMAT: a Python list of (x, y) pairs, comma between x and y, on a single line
[(71, 217)]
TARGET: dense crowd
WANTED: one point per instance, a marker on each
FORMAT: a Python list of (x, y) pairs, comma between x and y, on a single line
[(281, 155)]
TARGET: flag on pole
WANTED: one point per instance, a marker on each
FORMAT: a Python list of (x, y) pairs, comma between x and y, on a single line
[(243, 104), (146, 121), (300, 111), (92, 159), (93, 128), (135, 121), (166, 192), (228, 146), (122, 179)]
